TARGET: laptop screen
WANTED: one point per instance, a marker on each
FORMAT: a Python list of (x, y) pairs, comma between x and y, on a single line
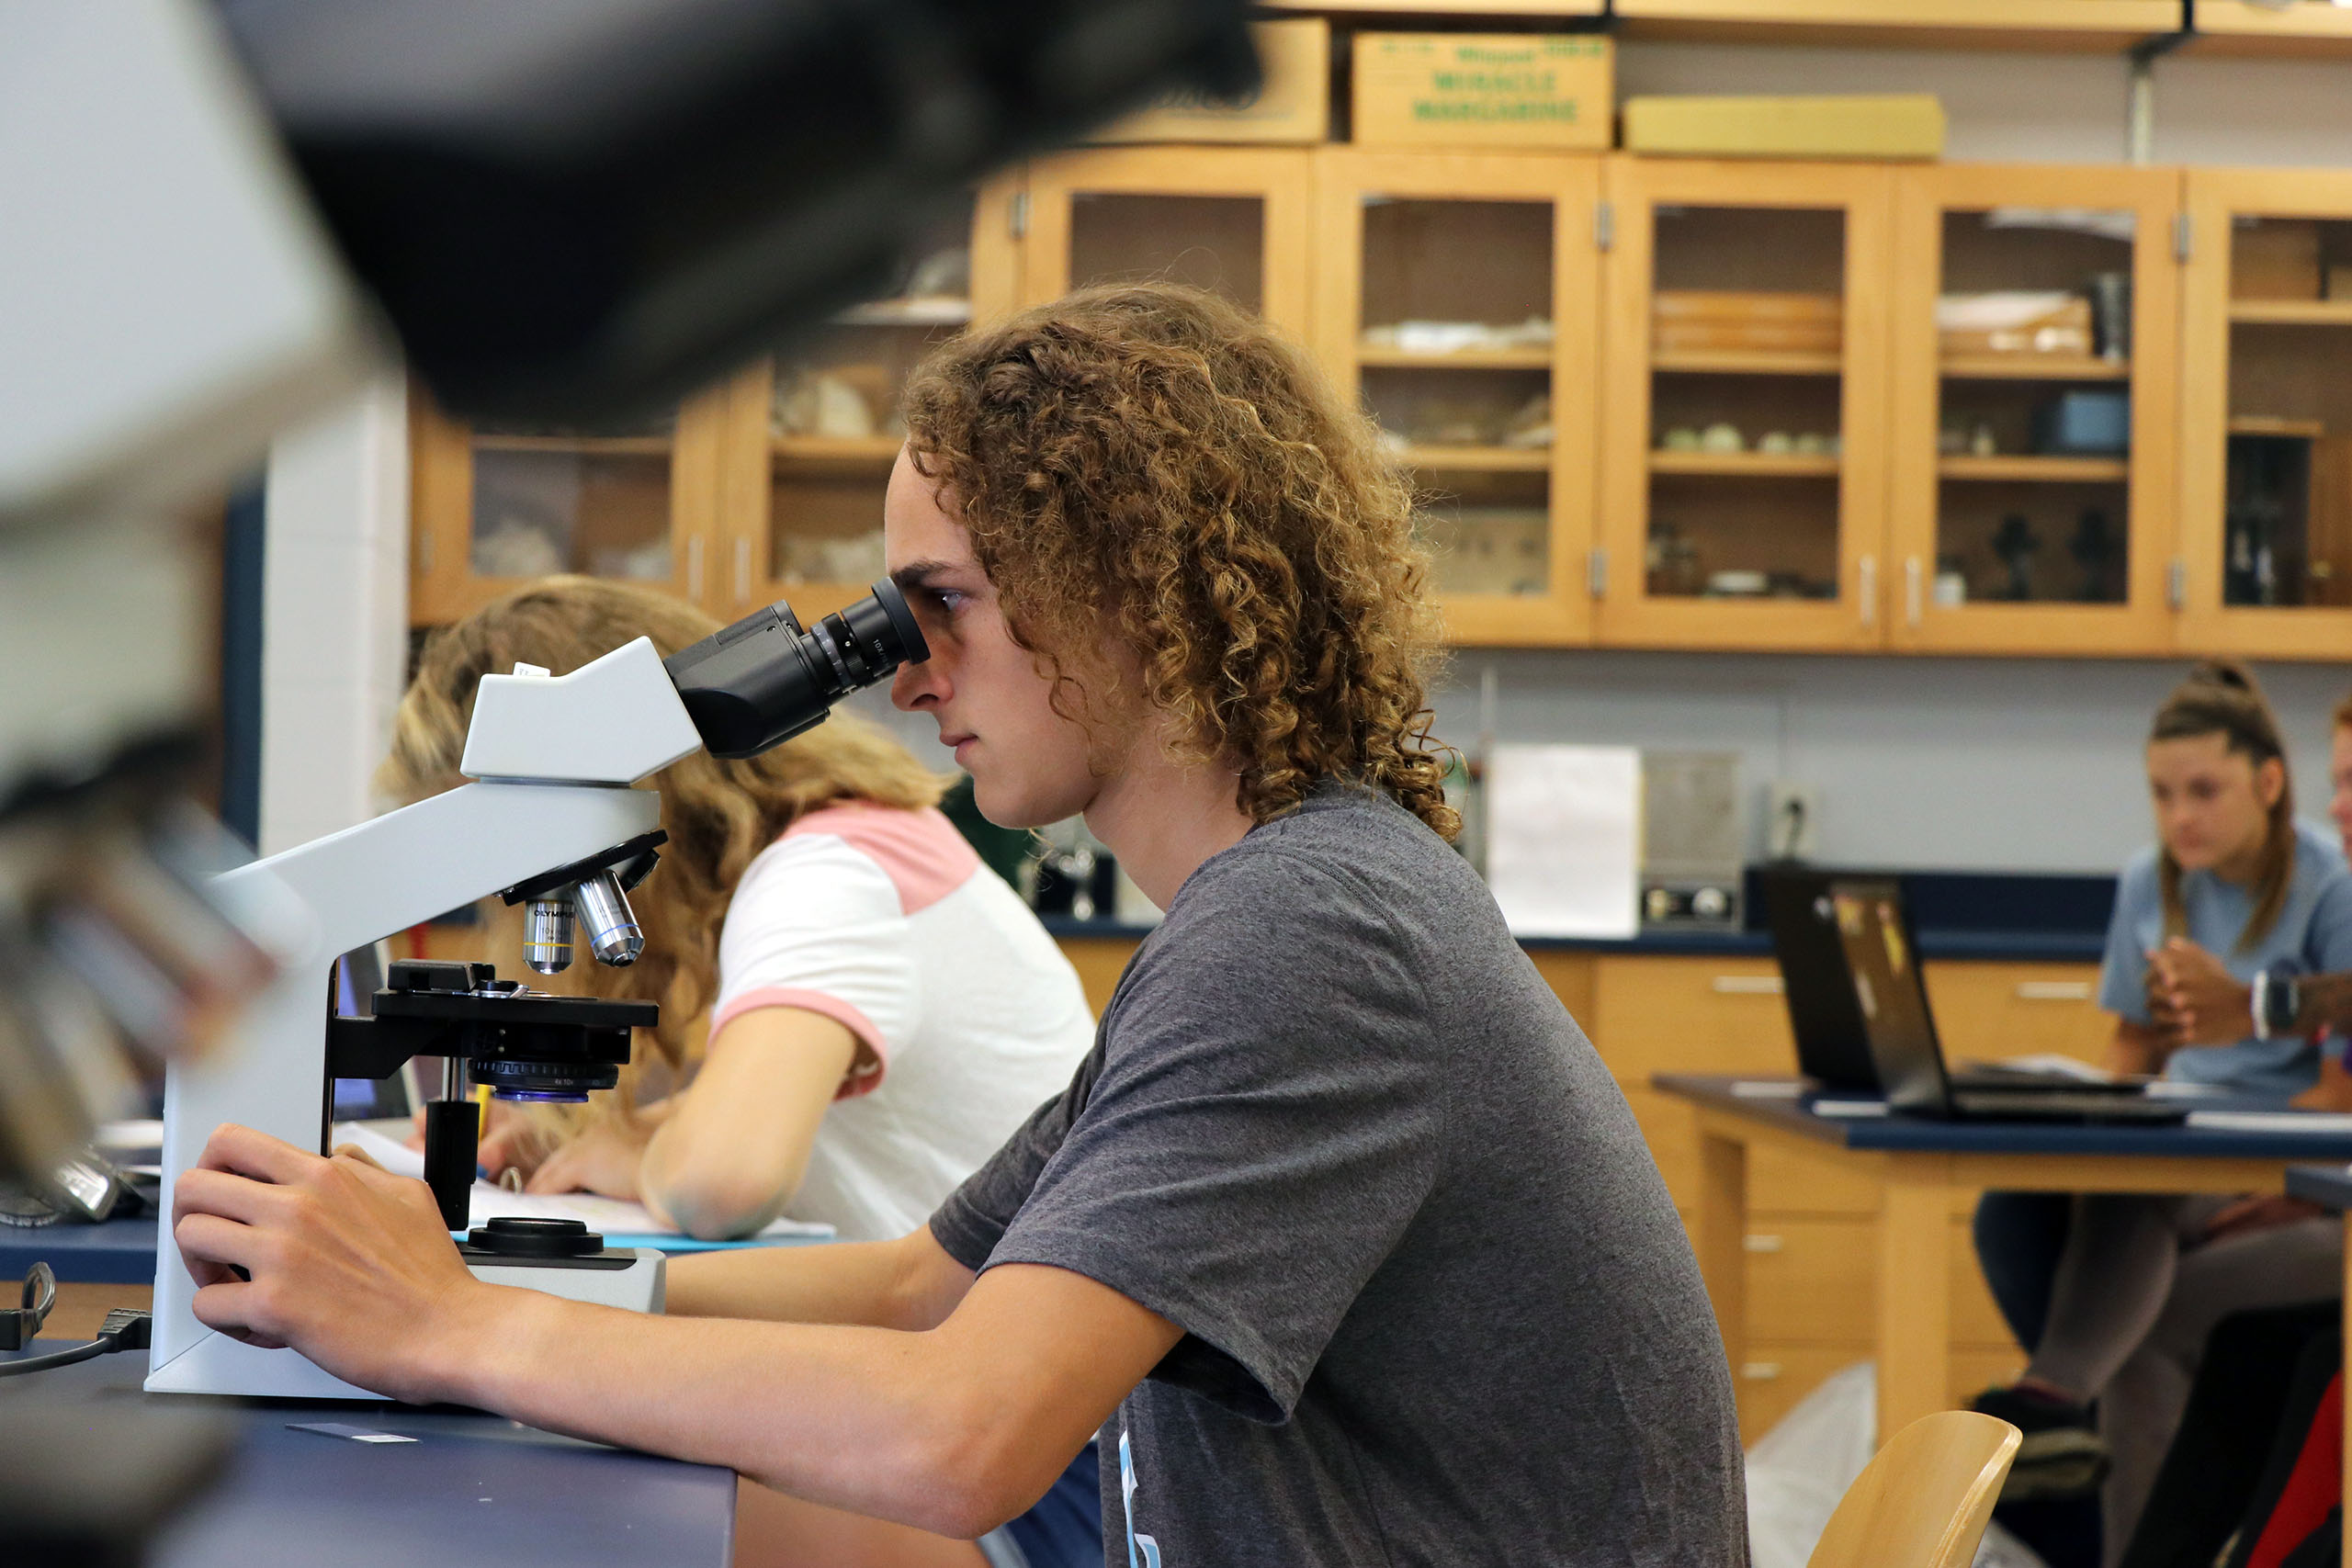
[(1883, 963)]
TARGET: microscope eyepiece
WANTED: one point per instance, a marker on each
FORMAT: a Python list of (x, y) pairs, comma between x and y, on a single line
[(765, 679)]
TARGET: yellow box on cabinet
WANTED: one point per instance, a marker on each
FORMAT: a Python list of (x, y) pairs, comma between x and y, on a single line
[(1483, 90), (1902, 125), (1292, 105)]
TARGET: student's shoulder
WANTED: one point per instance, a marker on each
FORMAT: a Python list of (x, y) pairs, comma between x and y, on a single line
[(2319, 856), (2136, 885), (919, 856)]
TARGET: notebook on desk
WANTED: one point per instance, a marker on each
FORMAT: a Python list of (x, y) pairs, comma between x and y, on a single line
[(1858, 1004)]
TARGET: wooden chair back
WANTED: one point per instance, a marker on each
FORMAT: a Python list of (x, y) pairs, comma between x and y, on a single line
[(1926, 1498)]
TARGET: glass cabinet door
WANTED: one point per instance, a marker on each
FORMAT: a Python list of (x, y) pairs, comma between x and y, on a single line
[(495, 508), (2034, 395), (2266, 414), (1744, 413), (812, 435), (1458, 304), (1233, 221)]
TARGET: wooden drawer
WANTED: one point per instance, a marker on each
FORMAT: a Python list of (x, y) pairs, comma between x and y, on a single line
[(1778, 1181), (1773, 1378), (1100, 961), (1813, 1281), (1690, 1015), (1991, 1010), (1570, 977)]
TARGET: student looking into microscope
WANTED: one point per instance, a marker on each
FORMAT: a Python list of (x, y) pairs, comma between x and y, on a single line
[(1341, 1235)]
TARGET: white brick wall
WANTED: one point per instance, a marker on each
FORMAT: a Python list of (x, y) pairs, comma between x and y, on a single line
[(334, 640)]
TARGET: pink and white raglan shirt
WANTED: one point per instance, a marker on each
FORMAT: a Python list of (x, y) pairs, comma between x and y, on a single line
[(886, 921)]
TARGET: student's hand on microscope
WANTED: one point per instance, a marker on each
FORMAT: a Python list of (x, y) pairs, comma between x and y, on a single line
[(337, 1257)]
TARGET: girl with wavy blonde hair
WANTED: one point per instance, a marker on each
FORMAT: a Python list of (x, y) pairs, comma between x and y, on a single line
[(781, 911)]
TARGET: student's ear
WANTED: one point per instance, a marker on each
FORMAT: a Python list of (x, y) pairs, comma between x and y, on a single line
[(2269, 782)]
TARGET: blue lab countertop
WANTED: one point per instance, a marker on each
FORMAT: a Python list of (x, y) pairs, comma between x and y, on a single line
[(1988, 916)]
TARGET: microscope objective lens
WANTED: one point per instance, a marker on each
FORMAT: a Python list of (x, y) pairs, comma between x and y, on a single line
[(612, 935), (547, 935)]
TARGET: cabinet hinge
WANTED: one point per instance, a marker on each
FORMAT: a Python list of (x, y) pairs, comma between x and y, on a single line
[(1596, 573), (2176, 584), (1604, 225), (2182, 229), (1017, 215)]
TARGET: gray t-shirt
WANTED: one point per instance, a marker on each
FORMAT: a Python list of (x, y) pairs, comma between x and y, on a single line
[(1438, 1307)]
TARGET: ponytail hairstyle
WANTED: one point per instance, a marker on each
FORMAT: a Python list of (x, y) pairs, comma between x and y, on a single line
[(2220, 697)]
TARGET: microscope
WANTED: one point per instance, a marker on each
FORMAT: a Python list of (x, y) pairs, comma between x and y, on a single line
[(551, 822)]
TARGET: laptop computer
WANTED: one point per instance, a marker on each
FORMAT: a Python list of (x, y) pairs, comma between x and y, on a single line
[(1848, 957)]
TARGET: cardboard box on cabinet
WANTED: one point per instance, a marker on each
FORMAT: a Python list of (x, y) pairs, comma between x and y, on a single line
[(1550, 90)]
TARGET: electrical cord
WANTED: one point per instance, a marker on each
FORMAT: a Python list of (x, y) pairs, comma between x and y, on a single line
[(125, 1329)]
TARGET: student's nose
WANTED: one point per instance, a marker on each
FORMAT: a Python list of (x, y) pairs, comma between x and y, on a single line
[(912, 683)]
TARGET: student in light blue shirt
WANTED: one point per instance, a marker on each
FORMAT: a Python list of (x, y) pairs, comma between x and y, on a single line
[(2136, 1275), (2309, 932)]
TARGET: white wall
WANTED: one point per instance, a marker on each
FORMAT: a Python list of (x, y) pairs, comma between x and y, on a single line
[(334, 639)]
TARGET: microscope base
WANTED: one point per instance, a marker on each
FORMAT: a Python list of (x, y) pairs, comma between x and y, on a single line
[(218, 1364)]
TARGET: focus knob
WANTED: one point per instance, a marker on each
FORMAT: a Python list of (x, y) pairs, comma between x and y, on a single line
[(511, 1235)]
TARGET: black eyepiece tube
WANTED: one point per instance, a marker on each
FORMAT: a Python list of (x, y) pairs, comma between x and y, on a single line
[(764, 680)]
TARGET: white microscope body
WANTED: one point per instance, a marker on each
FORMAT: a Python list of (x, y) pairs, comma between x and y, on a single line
[(555, 758)]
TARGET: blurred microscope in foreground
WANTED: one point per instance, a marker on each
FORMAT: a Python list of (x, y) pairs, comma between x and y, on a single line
[(219, 218), (223, 216)]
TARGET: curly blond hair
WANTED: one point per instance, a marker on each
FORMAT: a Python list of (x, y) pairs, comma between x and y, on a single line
[(1148, 455), (719, 814)]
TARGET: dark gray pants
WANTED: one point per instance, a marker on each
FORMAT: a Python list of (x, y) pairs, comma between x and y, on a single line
[(2138, 1290)]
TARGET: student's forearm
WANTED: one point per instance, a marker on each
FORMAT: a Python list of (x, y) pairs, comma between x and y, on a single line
[(2137, 1048), (909, 1283), (2324, 1002), (712, 1192), (865, 1419)]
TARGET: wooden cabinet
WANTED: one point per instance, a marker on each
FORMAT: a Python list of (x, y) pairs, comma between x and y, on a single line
[(768, 486), (811, 435), (493, 509), (1743, 410), (1231, 220), (2265, 419), (1650, 403), (2034, 387), (1457, 301)]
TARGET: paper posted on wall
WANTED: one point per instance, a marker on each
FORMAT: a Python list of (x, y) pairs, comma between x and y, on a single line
[(1564, 839)]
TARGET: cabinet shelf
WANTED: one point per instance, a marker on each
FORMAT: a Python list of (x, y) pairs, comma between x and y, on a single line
[(2089, 25), (1480, 459), (586, 445), (2045, 470), (2292, 312), (1745, 362), (1465, 359), (1744, 464), (2032, 367), (860, 451), (936, 312)]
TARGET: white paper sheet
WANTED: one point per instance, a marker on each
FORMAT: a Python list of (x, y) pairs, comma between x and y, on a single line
[(612, 1216), (1564, 839)]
